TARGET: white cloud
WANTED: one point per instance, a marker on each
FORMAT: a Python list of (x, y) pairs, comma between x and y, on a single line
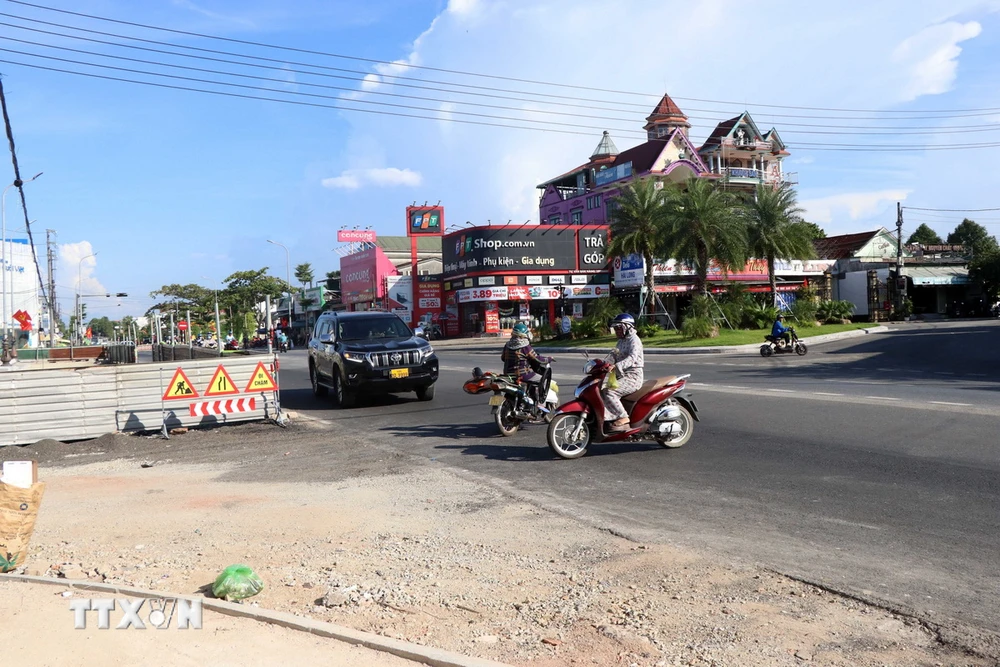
[(930, 58), (857, 205), (352, 179), (463, 7), (77, 264)]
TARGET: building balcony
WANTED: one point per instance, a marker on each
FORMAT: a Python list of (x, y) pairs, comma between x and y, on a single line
[(751, 176), (748, 145)]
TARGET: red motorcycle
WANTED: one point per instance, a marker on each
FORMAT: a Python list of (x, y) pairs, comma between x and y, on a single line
[(657, 411)]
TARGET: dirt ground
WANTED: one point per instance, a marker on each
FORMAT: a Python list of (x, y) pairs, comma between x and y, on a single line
[(375, 541)]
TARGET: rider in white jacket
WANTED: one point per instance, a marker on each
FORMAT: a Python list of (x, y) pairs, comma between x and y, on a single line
[(628, 364)]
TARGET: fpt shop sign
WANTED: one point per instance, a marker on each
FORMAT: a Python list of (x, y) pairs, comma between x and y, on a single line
[(538, 248)]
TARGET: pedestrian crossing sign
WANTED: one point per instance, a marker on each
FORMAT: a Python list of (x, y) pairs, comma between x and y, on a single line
[(179, 387), (221, 384)]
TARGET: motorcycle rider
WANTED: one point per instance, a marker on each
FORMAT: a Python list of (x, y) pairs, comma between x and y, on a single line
[(779, 330), (628, 364), (520, 359)]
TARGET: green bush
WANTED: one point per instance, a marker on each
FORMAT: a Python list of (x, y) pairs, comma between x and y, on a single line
[(588, 327), (699, 327), (804, 312), (545, 332), (761, 316), (736, 304), (647, 329), (834, 311)]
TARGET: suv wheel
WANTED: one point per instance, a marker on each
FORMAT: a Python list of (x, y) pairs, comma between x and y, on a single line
[(425, 393), (342, 397), (318, 390)]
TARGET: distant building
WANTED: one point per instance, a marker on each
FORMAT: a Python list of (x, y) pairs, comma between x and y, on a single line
[(736, 153)]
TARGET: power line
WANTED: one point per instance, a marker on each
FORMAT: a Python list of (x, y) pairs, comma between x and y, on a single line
[(461, 72), (951, 210)]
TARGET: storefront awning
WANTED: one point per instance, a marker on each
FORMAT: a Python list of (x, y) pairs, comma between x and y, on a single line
[(937, 275)]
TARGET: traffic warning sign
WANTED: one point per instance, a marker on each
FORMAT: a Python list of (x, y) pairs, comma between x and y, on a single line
[(222, 384), (261, 380), (179, 387)]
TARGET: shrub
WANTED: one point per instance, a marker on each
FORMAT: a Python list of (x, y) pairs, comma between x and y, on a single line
[(545, 332), (834, 312), (804, 312), (736, 304), (647, 329), (588, 327), (761, 316), (699, 327)]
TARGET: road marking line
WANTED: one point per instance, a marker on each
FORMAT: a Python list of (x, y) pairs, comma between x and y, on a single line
[(826, 393), (783, 391), (882, 398), (733, 386), (942, 373), (961, 405)]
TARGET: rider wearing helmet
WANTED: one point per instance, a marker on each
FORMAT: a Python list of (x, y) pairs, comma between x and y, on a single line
[(520, 359), (779, 330), (628, 363)]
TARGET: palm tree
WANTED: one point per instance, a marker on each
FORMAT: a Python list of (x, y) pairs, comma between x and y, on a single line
[(704, 226), (638, 225), (776, 230)]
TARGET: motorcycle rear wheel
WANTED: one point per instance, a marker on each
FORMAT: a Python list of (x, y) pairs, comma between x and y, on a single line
[(560, 436), (505, 420), (766, 350), (687, 430)]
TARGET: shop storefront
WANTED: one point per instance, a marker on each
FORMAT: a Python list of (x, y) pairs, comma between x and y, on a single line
[(497, 276)]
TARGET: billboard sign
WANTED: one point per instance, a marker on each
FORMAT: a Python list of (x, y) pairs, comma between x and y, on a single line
[(630, 271), (534, 248), (362, 273), (356, 236), (612, 174), (399, 297), (424, 220), (428, 293)]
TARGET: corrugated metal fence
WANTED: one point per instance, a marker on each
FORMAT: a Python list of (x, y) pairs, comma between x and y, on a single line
[(81, 403)]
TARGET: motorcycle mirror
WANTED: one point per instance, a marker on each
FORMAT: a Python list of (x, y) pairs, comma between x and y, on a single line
[(477, 372)]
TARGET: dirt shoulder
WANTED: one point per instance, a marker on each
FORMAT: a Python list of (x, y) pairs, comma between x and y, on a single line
[(376, 541)]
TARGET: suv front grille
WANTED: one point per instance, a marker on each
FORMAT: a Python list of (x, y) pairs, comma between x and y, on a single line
[(394, 359)]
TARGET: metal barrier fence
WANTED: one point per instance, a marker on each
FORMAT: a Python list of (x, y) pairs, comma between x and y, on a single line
[(81, 403), (119, 353), (180, 352)]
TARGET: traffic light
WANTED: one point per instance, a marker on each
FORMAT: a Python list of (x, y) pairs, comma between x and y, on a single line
[(83, 312)]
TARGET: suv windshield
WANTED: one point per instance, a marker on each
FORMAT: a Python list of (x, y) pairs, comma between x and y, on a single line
[(372, 327)]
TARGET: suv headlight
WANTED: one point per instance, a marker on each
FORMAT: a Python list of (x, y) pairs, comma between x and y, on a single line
[(426, 353), (357, 357)]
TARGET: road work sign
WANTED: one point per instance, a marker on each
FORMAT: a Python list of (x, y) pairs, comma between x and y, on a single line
[(261, 380), (179, 387)]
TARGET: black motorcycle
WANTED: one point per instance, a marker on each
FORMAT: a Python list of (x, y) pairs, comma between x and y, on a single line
[(513, 402), (778, 345)]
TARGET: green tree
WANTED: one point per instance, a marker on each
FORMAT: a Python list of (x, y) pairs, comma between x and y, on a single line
[(985, 268), (304, 274), (178, 299), (246, 293), (703, 227), (639, 225), (974, 237), (775, 229), (924, 235), (815, 231)]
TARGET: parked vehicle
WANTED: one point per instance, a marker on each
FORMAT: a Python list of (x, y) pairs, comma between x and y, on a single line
[(429, 331), (780, 346), (515, 403), (369, 353), (658, 411)]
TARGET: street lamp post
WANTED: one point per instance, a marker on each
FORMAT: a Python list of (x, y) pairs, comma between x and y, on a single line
[(79, 282), (288, 279), (3, 251), (218, 324)]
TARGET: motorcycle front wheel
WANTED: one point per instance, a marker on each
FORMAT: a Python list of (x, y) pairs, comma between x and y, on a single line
[(560, 435), (801, 349), (504, 417)]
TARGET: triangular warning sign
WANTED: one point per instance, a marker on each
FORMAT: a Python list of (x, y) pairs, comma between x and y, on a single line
[(221, 384), (179, 387), (261, 380)]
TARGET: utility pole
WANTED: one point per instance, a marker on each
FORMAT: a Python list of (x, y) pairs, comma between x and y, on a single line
[(50, 251), (900, 280)]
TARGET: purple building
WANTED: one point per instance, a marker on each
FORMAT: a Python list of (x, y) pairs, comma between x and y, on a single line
[(736, 153)]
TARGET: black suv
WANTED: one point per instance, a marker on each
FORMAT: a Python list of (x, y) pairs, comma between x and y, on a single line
[(369, 352)]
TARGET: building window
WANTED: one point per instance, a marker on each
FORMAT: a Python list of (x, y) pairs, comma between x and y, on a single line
[(577, 217), (609, 210), (555, 219), (594, 201)]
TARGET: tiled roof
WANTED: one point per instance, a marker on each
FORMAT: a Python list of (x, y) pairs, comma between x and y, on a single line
[(721, 131), (667, 110), (642, 156), (843, 246)]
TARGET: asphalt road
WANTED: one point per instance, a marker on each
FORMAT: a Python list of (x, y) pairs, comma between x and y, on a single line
[(869, 466)]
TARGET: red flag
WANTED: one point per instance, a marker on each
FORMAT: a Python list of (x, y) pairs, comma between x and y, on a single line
[(24, 319), (89, 334)]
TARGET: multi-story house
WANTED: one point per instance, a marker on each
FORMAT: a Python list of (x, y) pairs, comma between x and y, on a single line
[(736, 153)]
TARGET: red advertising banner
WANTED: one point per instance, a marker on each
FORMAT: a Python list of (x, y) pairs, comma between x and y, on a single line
[(362, 274), (492, 318), (356, 236), (429, 295)]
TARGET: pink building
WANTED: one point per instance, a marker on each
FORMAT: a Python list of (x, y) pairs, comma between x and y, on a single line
[(736, 153)]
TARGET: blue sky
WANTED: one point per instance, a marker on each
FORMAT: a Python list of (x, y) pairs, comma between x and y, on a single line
[(171, 186)]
